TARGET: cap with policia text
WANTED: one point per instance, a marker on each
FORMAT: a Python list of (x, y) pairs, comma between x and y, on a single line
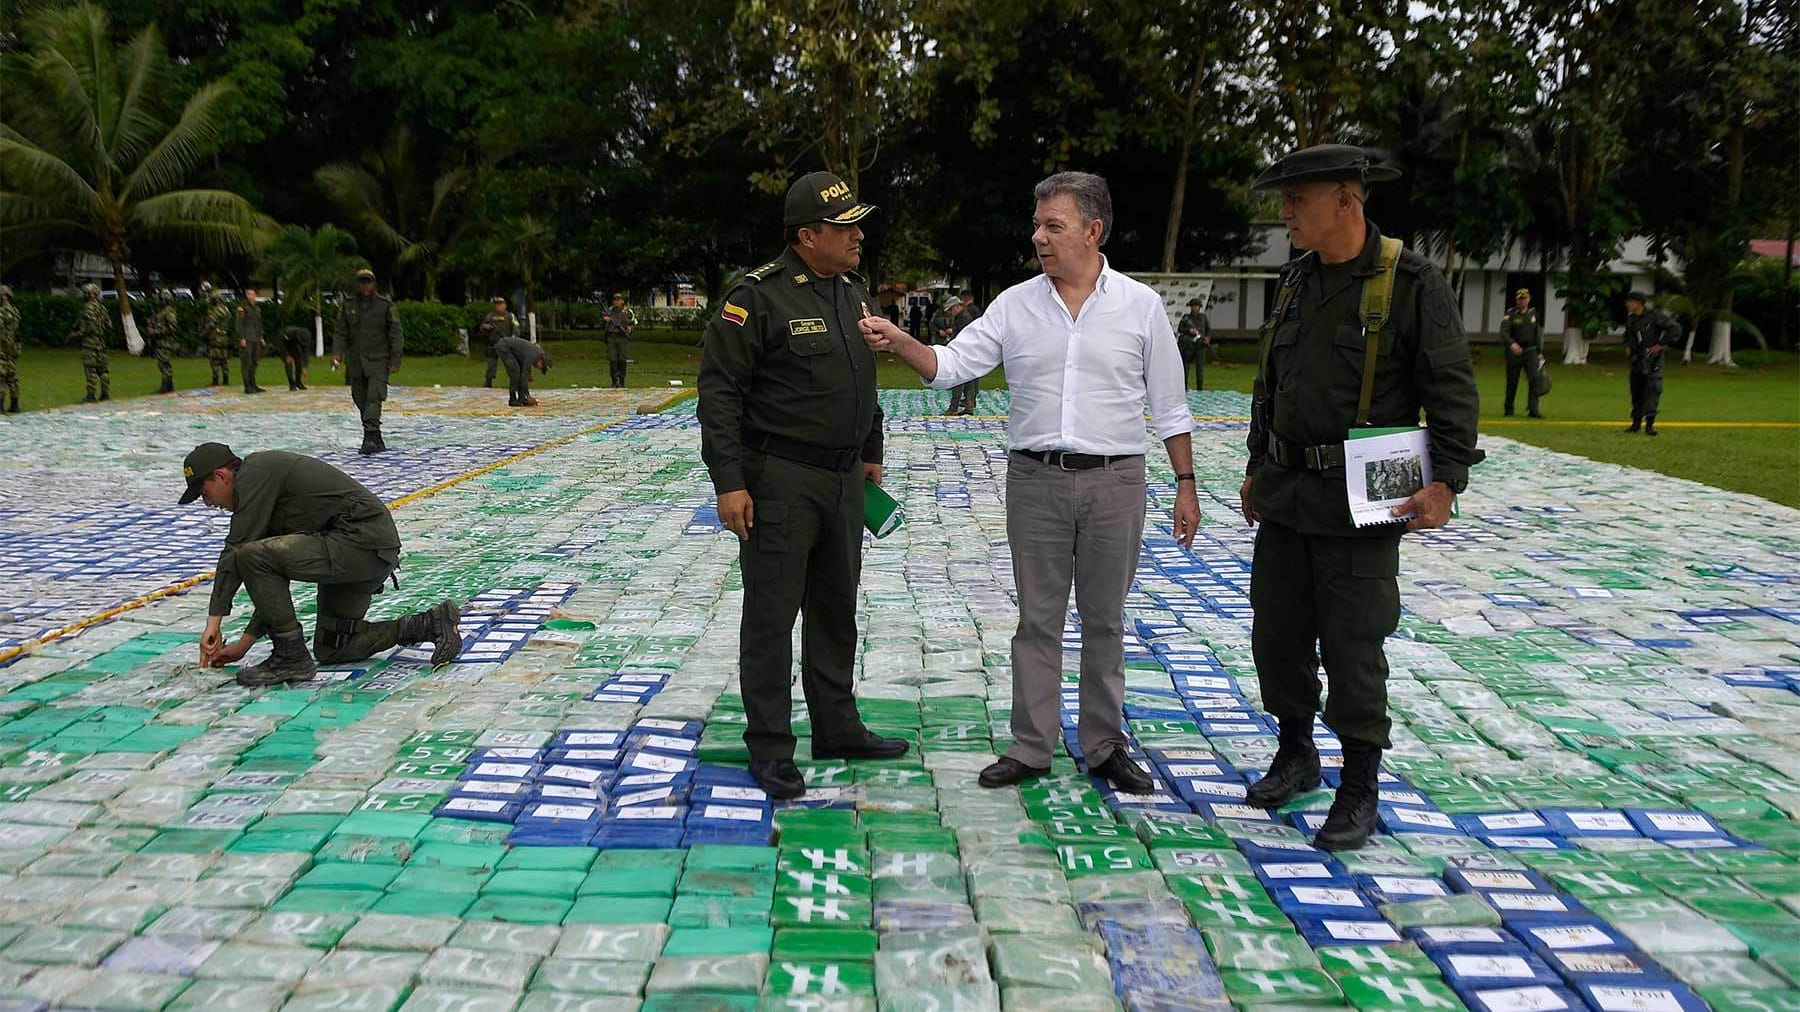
[(1325, 163), (821, 196), (200, 464)]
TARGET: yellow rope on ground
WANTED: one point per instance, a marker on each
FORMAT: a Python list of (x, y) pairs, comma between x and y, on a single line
[(191, 582)]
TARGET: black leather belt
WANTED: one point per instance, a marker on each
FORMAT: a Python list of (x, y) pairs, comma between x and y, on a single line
[(1075, 461), (1312, 458), (805, 453)]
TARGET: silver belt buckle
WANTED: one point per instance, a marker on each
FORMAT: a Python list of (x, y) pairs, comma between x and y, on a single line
[(1062, 459)]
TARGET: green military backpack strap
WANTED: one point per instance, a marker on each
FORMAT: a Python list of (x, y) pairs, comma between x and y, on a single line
[(1377, 301)]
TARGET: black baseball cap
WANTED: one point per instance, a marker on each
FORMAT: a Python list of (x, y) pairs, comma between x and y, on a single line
[(200, 464), (822, 196)]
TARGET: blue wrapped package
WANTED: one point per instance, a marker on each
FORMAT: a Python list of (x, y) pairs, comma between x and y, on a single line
[(556, 825), (566, 793), (1302, 872), (1671, 824), (725, 776), (1531, 998), (602, 758), (1479, 970), (1520, 822), (625, 796), (1523, 842), (730, 794), (664, 725), (1479, 941), (1466, 880), (1341, 902), (639, 761), (1534, 906), (1601, 823), (1629, 968), (479, 809), (1383, 888), (1322, 932), (1272, 850), (1584, 935), (1162, 965), (1663, 997)]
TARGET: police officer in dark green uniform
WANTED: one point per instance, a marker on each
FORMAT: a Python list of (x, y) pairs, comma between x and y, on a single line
[(299, 518), (621, 323), (1362, 333), (367, 336), (1522, 335), (497, 326), (1648, 332), (249, 328), (790, 429)]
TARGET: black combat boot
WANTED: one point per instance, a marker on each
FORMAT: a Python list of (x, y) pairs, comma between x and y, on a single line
[(15, 405), (380, 443), (370, 443), (1635, 424), (1352, 816), (288, 662), (437, 627), (1649, 425), (89, 399), (1295, 769)]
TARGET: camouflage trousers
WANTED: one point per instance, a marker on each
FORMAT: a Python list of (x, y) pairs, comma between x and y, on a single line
[(164, 367), (93, 366), (9, 379), (220, 357)]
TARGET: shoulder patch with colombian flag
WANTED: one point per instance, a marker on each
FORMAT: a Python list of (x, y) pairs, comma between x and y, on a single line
[(735, 313)]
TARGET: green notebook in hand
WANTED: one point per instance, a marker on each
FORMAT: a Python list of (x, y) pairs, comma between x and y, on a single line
[(881, 514)]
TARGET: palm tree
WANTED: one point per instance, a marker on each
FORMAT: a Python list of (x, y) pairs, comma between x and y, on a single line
[(392, 199), (313, 263), (91, 159), (522, 243)]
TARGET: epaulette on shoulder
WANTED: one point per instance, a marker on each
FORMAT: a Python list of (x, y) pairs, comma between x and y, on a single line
[(1413, 262), (763, 273)]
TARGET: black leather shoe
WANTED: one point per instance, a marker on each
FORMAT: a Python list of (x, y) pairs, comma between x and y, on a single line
[(1537, 414), (869, 746), (1006, 771), (779, 777), (1123, 773)]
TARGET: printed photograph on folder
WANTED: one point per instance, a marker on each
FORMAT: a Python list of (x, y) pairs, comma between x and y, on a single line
[(1381, 472)]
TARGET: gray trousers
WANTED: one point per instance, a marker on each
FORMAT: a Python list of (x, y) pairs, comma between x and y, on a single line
[(518, 364), (1085, 529), (348, 577)]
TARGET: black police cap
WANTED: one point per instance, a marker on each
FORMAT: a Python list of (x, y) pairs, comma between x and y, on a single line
[(1326, 163)]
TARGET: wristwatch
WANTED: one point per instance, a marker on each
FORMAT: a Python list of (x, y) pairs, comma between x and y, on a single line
[(1184, 477)]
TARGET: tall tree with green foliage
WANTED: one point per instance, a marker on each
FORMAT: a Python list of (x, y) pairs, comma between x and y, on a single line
[(403, 204), (96, 144), (310, 263)]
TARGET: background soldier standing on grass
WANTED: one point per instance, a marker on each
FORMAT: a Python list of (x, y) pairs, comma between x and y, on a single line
[(162, 330), (790, 429), (1363, 333), (496, 326), (620, 324), (92, 328), (1647, 334), (250, 339), (367, 337), (1193, 333), (216, 335), (9, 352), (1522, 334)]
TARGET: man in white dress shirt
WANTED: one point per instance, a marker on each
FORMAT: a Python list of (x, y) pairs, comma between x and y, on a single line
[(1083, 347)]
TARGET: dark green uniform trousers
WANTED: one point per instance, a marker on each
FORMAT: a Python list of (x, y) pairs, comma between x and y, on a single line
[(616, 349), (1646, 394), (804, 556), (1332, 598), (493, 357), (248, 357), (1527, 364), (348, 576), (367, 391)]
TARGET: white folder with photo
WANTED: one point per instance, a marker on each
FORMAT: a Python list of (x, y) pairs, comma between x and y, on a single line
[(1383, 470)]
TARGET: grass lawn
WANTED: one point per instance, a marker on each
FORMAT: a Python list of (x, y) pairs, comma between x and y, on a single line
[(1587, 409)]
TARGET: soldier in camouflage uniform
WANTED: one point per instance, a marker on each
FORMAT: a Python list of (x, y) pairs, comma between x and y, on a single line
[(92, 328), (162, 339), (9, 351), (620, 323), (495, 327), (215, 332)]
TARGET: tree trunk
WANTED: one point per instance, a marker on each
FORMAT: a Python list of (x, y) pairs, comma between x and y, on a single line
[(134, 342), (1720, 353), (318, 335), (1575, 346), (1177, 198)]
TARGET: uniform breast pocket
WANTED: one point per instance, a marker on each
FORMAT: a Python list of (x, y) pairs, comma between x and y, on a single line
[(1284, 358), (1350, 347), (813, 351)]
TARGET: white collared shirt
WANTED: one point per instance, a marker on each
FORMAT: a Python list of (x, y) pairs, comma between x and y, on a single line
[(1078, 383)]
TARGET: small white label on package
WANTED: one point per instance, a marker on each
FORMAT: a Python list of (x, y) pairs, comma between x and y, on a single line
[(1522, 999), (649, 812), (503, 771), (580, 774), (1301, 870), (1679, 822), (1328, 897), (1396, 886), (1635, 999), (1527, 901), (1513, 820), (1423, 817), (488, 805), (582, 812), (660, 763), (723, 793), (1571, 936), (1478, 967), (1361, 931), (670, 744), (1496, 880), (593, 738), (737, 813)]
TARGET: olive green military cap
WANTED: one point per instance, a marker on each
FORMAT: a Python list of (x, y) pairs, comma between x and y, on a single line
[(5, 291), (1523, 291), (1326, 163), (200, 464), (822, 196), (90, 288)]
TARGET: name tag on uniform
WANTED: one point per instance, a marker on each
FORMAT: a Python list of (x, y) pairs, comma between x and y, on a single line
[(815, 325)]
